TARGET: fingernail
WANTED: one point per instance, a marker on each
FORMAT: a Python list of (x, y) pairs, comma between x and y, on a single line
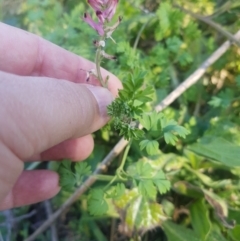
[(103, 97)]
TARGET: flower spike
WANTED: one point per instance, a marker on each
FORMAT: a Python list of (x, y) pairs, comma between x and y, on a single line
[(111, 9), (96, 4), (97, 26)]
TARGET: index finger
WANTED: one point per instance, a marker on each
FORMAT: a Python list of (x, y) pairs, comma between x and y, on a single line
[(26, 54)]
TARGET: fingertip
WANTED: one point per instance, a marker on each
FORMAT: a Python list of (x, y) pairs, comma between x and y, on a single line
[(75, 149), (32, 187)]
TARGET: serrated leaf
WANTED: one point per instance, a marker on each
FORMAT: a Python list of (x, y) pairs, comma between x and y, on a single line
[(215, 101), (143, 98), (67, 178), (147, 189), (65, 167), (97, 205), (174, 44), (83, 168), (164, 21), (162, 185), (161, 182), (171, 130), (170, 138), (147, 177), (151, 146), (150, 121), (67, 181), (117, 191), (66, 164), (146, 121)]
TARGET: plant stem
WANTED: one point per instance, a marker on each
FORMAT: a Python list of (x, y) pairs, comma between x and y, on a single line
[(104, 177), (97, 62), (124, 157)]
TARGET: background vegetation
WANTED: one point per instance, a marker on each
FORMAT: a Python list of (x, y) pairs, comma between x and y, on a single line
[(203, 169)]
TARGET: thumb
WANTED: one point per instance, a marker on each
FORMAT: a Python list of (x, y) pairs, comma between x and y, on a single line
[(41, 112)]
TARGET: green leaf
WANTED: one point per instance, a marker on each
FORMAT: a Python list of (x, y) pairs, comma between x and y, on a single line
[(97, 205), (187, 189), (82, 169), (148, 179), (218, 149), (137, 213), (117, 191), (238, 80), (215, 101), (200, 219), (171, 130), (146, 121), (67, 178), (67, 181), (147, 189), (216, 236), (223, 99), (151, 146), (235, 233), (150, 121), (174, 44), (164, 22), (176, 232), (220, 207), (161, 182)]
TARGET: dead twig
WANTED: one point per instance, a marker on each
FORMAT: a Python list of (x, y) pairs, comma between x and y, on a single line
[(191, 80), (8, 221), (211, 23), (48, 208), (13, 221)]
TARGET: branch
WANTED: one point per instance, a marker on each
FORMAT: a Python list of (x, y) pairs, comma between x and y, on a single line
[(191, 80), (208, 21), (48, 207), (8, 217)]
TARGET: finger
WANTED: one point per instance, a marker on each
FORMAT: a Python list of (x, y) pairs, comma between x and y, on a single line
[(33, 55), (43, 112), (75, 149), (32, 187)]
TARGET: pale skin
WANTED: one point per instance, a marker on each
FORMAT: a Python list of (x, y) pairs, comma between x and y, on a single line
[(47, 112)]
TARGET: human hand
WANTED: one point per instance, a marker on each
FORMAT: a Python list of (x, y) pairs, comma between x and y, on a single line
[(46, 112)]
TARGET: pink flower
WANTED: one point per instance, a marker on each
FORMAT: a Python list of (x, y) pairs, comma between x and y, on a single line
[(100, 16), (106, 7), (105, 10), (110, 9), (96, 4), (97, 26)]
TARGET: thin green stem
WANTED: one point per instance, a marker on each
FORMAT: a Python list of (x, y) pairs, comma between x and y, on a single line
[(125, 156), (107, 178), (98, 67), (111, 182)]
